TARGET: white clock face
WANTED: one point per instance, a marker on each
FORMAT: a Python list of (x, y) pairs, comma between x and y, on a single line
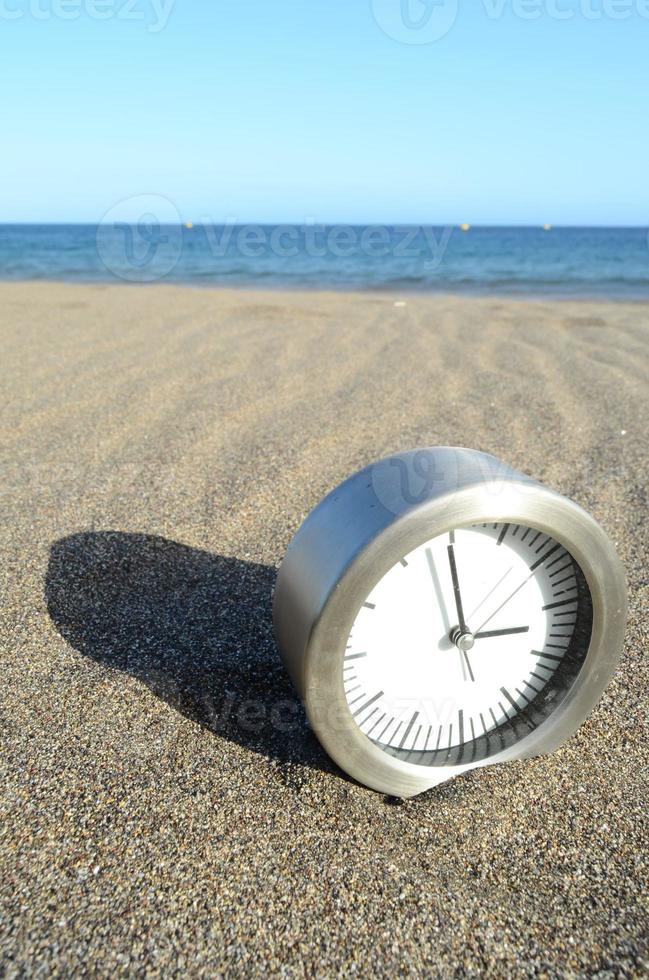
[(467, 644)]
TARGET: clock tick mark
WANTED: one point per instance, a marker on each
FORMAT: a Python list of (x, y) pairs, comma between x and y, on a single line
[(555, 560), (408, 729), (555, 605), (365, 720), (501, 536), (368, 703), (356, 700), (430, 728), (416, 738), (539, 561), (386, 727), (546, 656), (570, 588), (376, 723), (537, 690)]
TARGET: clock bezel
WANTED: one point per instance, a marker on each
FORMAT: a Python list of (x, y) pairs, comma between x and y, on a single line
[(366, 538)]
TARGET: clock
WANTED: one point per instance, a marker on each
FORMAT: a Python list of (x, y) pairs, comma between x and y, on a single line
[(439, 611)]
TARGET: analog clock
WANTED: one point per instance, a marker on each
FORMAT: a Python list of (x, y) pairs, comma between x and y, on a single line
[(439, 611)]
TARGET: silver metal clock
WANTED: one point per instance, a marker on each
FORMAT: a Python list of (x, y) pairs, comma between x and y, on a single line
[(439, 611)]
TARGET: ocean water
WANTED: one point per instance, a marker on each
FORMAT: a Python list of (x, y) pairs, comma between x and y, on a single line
[(562, 262)]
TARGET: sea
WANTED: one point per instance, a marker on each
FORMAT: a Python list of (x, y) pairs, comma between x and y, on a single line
[(513, 261)]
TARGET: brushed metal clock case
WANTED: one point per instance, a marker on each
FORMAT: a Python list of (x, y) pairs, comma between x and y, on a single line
[(362, 528)]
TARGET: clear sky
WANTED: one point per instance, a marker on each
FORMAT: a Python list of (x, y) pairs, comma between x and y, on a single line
[(335, 110)]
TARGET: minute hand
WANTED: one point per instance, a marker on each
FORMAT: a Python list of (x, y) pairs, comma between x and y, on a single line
[(456, 587)]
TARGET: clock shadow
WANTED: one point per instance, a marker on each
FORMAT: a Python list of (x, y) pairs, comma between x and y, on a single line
[(195, 627)]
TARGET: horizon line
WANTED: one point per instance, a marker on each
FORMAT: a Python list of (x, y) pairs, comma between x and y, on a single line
[(356, 224)]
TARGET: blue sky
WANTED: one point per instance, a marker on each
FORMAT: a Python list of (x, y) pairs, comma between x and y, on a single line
[(332, 110)]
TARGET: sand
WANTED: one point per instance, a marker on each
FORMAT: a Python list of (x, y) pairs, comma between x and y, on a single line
[(165, 809)]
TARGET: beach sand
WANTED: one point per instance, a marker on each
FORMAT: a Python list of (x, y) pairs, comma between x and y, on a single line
[(164, 807)]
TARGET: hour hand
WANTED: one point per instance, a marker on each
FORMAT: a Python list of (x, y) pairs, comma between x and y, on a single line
[(484, 634)]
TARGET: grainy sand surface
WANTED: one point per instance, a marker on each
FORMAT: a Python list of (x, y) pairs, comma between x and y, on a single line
[(164, 809)]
